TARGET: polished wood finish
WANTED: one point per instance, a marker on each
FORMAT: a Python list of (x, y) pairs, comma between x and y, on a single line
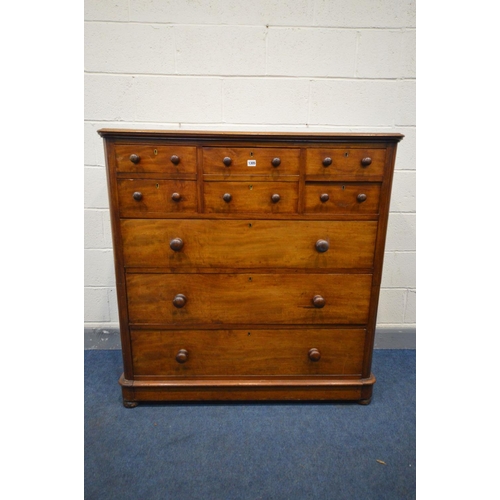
[(248, 352), (231, 162), (342, 198), (248, 265), (248, 244), (345, 164), (156, 196), (158, 158), (250, 197), (269, 298)]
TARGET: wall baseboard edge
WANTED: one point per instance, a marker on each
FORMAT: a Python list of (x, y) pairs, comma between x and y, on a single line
[(385, 338)]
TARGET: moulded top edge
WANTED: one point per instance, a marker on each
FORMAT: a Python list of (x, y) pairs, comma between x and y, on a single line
[(261, 136)]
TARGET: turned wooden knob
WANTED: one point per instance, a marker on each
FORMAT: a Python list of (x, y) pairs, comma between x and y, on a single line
[(175, 159), (324, 197), (176, 197), (361, 197), (179, 300), (176, 244), (182, 356), (137, 196), (227, 197), (135, 158), (276, 162), (227, 161), (314, 354), (318, 301), (327, 161), (366, 161), (275, 198), (322, 246)]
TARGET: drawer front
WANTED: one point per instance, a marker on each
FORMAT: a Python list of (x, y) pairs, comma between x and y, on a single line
[(251, 161), (342, 198), (345, 163), (248, 244), (188, 299), (159, 159), (247, 352), (251, 197), (146, 197)]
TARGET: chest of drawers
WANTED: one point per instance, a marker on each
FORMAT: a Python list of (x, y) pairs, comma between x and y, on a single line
[(248, 265)]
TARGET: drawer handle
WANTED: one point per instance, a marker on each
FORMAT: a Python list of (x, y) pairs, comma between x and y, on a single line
[(361, 197), (366, 161), (327, 161), (227, 161), (179, 300), (324, 197), (318, 301), (176, 197), (135, 159), (322, 246), (176, 244), (314, 354), (227, 197), (137, 196), (182, 356), (175, 159), (275, 198), (276, 162)]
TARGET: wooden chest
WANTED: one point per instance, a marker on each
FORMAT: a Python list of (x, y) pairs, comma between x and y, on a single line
[(248, 265)]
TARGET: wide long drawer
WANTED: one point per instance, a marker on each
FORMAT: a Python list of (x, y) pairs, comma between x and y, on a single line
[(187, 244), (188, 353), (188, 299)]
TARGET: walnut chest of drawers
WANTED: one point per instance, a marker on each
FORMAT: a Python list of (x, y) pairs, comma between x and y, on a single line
[(248, 265)]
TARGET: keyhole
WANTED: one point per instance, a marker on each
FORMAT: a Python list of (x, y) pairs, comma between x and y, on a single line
[(251, 153), (250, 279), (157, 186), (343, 187), (250, 187), (250, 225), (155, 151), (346, 154)]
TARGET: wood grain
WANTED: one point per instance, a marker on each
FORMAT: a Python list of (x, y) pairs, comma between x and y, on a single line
[(156, 197), (263, 157), (278, 299), (247, 352), (250, 197), (160, 162), (342, 198), (248, 243), (346, 164)]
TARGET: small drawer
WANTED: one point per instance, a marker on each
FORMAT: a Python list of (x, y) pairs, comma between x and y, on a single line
[(143, 197), (342, 198), (271, 162), (250, 197), (286, 299), (247, 352), (159, 159), (345, 163)]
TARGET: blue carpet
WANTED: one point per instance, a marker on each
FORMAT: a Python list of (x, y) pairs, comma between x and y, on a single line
[(251, 451)]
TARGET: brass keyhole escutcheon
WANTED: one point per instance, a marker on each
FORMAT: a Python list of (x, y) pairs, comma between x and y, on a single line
[(346, 154), (250, 225), (250, 278), (157, 186), (251, 153), (250, 187), (155, 151)]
